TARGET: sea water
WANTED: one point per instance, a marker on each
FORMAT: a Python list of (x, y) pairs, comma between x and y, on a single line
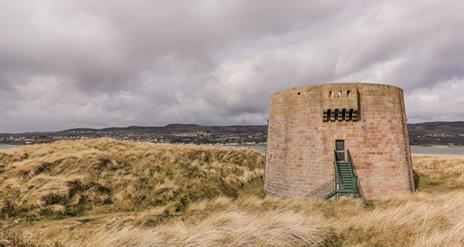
[(414, 149), (6, 146)]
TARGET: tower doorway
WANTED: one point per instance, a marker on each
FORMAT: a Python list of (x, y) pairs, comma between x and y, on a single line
[(340, 150)]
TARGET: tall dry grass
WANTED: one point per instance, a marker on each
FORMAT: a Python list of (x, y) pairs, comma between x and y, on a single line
[(18, 239), (417, 220), (68, 178), (439, 173), (433, 216)]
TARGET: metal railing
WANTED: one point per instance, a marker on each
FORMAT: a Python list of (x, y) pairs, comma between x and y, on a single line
[(321, 191), (341, 184)]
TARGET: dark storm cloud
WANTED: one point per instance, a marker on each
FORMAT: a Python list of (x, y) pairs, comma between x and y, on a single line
[(100, 63)]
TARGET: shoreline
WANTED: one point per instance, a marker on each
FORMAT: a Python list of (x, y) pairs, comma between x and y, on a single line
[(417, 150), (435, 154), (438, 146), (257, 144)]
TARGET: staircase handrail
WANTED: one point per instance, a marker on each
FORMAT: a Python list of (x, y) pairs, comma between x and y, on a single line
[(321, 188)]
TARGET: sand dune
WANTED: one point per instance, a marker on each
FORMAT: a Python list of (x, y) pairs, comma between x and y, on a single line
[(110, 193)]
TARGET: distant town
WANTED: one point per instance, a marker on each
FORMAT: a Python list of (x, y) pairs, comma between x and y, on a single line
[(173, 133), (429, 133)]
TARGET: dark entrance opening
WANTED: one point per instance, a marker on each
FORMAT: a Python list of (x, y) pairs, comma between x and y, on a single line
[(340, 150)]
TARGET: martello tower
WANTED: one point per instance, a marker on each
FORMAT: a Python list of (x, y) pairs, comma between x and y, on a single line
[(345, 137)]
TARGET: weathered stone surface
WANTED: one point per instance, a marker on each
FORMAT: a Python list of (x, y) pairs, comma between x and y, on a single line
[(301, 144)]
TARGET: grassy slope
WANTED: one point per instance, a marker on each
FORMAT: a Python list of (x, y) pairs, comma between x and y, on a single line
[(238, 213), (69, 178)]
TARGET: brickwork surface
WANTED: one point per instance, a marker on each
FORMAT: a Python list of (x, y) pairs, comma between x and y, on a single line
[(300, 144)]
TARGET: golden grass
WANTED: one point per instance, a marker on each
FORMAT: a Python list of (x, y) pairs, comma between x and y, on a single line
[(229, 228), (407, 221), (439, 172), (18, 239), (68, 178), (239, 215), (251, 221)]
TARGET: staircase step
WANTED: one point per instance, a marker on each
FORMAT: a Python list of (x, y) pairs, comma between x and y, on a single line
[(345, 178), (347, 189)]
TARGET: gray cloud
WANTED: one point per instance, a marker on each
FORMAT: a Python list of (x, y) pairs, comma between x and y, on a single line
[(95, 64)]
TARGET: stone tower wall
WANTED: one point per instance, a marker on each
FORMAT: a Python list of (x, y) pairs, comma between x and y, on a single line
[(303, 128)]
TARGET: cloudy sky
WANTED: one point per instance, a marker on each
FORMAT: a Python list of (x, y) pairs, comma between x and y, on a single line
[(87, 63)]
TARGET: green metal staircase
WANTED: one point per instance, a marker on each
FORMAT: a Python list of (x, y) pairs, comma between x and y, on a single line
[(345, 182)]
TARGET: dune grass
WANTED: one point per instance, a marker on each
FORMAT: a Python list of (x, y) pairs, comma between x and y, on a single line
[(225, 205), (439, 173), (417, 220), (69, 178)]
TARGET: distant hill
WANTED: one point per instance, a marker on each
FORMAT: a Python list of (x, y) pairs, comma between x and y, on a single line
[(428, 133), (433, 133), (179, 128)]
